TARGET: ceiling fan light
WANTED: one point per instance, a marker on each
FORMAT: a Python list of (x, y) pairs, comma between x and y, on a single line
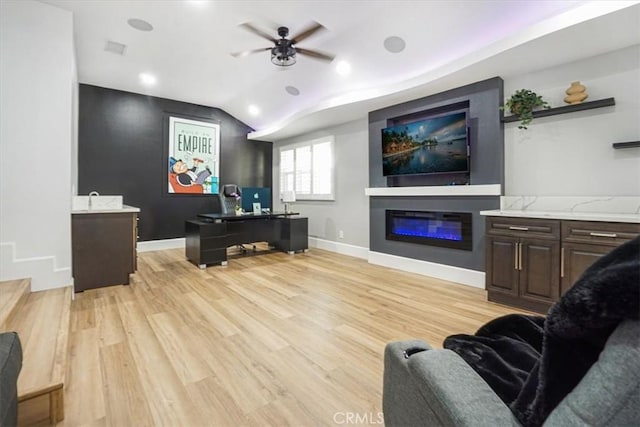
[(283, 54), (282, 60)]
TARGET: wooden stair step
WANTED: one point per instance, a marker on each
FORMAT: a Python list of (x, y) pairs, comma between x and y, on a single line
[(13, 295), (43, 327)]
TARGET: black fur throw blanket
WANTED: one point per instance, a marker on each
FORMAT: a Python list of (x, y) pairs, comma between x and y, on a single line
[(533, 362)]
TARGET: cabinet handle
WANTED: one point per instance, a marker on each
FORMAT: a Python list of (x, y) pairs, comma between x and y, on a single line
[(513, 227), (515, 258), (612, 235), (520, 257), (562, 262)]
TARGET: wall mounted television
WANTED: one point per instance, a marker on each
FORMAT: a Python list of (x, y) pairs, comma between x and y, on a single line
[(433, 145)]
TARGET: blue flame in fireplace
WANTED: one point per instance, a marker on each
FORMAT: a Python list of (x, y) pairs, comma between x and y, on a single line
[(429, 228)]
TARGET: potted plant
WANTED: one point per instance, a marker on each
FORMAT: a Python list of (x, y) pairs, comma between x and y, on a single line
[(523, 103)]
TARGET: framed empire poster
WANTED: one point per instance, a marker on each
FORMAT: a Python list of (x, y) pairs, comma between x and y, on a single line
[(194, 156)]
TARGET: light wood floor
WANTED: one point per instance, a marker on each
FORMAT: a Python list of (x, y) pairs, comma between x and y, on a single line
[(268, 340)]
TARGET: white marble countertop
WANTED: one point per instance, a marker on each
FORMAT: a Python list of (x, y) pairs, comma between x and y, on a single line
[(125, 209), (579, 216)]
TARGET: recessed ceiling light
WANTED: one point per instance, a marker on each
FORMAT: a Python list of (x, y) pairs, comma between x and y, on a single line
[(253, 110), (394, 44), (140, 24), (147, 79), (343, 68), (292, 90)]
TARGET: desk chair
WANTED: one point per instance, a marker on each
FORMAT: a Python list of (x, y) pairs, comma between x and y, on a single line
[(228, 203), (228, 200)]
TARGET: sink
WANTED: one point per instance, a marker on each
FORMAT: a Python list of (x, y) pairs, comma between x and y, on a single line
[(98, 203)]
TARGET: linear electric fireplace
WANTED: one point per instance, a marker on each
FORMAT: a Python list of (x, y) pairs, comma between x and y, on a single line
[(445, 229)]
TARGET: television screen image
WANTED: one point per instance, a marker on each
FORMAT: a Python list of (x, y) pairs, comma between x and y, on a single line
[(251, 195), (429, 146)]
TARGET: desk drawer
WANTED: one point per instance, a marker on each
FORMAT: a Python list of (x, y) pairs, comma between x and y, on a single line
[(600, 233), (218, 242), (217, 256), (252, 230), (213, 229)]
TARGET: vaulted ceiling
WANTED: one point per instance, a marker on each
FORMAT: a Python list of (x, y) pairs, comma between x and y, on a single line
[(447, 44)]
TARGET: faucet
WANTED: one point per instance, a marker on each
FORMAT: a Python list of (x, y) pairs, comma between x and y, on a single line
[(93, 193)]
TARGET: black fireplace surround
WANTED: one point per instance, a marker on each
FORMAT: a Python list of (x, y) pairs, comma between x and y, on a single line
[(445, 229)]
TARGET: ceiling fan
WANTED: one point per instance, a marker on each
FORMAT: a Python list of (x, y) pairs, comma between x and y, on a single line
[(284, 51)]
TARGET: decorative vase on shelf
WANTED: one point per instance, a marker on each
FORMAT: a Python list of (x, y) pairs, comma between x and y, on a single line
[(576, 93)]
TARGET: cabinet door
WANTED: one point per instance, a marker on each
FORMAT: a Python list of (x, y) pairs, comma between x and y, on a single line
[(539, 265), (576, 258), (292, 235), (501, 263), (102, 249)]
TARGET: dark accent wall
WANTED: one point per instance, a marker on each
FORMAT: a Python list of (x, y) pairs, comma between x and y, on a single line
[(483, 100), (122, 150)]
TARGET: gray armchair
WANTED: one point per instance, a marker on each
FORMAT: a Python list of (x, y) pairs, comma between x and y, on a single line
[(10, 366), (427, 387)]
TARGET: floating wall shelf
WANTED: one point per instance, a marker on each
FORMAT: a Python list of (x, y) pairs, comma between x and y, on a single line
[(629, 144), (440, 190), (607, 102)]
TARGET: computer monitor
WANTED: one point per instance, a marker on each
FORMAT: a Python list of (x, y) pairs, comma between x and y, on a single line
[(251, 195)]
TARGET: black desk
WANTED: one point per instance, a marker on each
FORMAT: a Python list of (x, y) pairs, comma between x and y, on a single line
[(209, 236)]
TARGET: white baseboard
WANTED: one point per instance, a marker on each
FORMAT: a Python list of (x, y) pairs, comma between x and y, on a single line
[(440, 271), (159, 245), (445, 272), (43, 271), (341, 248)]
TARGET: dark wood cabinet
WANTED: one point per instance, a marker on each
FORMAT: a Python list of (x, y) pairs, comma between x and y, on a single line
[(583, 242), (531, 263), (103, 248), (522, 262)]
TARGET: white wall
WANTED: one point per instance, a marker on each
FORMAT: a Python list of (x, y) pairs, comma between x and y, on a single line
[(350, 210), (571, 154), (37, 77)]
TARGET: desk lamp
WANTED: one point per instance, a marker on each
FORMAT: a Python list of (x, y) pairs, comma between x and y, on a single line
[(287, 197)]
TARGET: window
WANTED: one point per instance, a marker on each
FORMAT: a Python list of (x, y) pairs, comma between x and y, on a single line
[(307, 169)]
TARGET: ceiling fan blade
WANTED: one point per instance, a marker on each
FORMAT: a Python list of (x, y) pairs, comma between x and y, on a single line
[(251, 28), (248, 52), (307, 32), (316, 54)]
